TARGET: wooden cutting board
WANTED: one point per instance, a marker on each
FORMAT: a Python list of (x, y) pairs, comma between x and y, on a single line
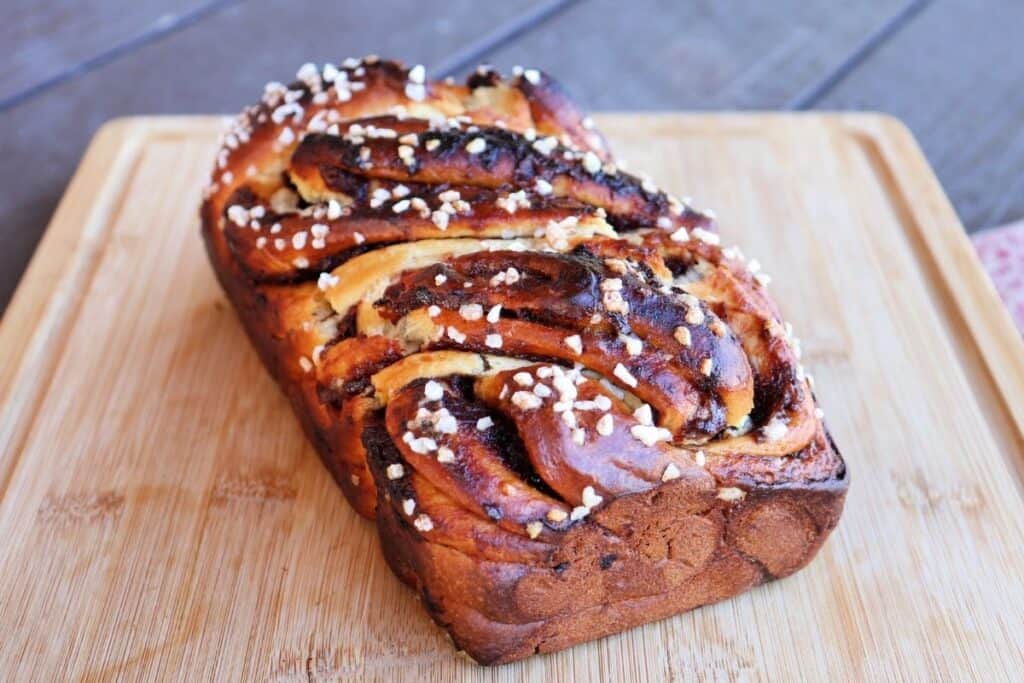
[(162, 516)]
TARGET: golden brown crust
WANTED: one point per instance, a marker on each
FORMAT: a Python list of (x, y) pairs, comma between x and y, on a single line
[(569, 410)]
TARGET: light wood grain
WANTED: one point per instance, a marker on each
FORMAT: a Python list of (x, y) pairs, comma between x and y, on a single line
[(164, 518)]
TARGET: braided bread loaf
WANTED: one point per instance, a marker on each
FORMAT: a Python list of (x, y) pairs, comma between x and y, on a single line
[(568, 409)]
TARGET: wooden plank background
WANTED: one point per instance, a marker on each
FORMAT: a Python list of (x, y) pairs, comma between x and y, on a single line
[(47, 41), (950, 68), (955, 76)]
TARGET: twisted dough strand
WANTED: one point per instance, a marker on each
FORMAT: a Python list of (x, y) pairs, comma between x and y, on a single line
[(491, 329)]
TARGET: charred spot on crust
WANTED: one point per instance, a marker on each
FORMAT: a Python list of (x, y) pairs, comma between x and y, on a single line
[(504, 437), (342, 181), (381, 452)]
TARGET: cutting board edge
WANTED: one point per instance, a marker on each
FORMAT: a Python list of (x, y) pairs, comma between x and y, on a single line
[(66, 254), (124, 139), (945, 253)]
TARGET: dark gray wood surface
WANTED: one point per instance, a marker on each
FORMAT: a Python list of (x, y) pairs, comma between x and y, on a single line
[(694, 55), (955, 76), (44, 41), (950, 68)]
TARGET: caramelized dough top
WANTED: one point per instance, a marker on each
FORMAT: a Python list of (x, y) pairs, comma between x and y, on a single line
[(536, 330)]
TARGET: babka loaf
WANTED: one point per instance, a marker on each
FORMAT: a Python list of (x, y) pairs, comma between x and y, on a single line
[(567, 408)]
